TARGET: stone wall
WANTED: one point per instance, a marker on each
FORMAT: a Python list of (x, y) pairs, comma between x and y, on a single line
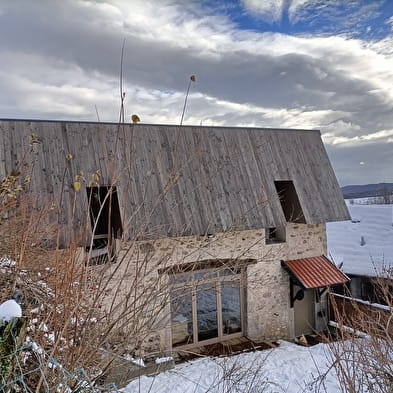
[(142, 266)]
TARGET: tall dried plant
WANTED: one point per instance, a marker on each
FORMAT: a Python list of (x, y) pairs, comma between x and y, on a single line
[(362, 348)]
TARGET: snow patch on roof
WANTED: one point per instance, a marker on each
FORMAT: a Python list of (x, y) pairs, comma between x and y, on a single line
[(364, 244)]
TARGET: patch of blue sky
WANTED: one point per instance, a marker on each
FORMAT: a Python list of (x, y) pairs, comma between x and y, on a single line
[(356, 18)]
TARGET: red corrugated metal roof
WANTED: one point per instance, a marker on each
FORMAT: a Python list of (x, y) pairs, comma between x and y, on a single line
[(315, 272)]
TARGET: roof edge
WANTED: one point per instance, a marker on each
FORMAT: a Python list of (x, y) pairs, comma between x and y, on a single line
[(307, 277), (158, 124)]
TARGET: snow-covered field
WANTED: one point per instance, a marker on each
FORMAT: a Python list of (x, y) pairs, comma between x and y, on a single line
[(373, 224), (290, 368)]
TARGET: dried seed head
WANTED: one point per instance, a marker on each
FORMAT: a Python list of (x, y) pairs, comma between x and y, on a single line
[(193, 78), (135, 119), (77, 186), (34, 139)]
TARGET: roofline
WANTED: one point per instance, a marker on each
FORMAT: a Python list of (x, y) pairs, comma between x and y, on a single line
[(160, 125), (368, 275)]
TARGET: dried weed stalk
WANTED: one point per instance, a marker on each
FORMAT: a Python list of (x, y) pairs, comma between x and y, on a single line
[(362, 349)]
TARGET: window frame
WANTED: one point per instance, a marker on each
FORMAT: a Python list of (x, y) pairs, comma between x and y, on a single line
[(216, 282)]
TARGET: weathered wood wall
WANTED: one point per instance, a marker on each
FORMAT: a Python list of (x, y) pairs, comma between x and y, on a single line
[(174, 181)]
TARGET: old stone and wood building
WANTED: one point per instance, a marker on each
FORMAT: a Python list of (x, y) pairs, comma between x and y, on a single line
[(230, 221)]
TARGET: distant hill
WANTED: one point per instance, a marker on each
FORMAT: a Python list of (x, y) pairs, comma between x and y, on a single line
[(366, 190)]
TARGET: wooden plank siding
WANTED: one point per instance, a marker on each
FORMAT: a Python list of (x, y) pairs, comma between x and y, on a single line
[(175, 181)]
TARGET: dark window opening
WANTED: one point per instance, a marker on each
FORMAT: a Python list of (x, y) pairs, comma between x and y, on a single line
[(375, 290), (340, 289), (289, 201), (274, 235), (104, 211), (105, 222)]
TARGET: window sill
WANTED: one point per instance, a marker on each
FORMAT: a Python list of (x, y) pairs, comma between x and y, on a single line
[(273, 242)]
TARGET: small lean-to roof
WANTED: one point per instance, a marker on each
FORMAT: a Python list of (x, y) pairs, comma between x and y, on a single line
[(171, 180), (314, 272)]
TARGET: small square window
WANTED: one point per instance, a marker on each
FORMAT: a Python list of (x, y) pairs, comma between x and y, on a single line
[(275, 235)]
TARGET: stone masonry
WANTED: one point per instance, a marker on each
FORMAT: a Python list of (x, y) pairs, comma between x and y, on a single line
[(267, 310)]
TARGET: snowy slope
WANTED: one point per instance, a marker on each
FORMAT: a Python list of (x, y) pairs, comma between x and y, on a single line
[(289, 368), (374, 223)]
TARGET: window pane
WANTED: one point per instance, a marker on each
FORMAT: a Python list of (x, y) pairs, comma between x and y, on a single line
[(230, 302), (207, 311), (230, 271), (179, 278), (181, 315), (205, 274)]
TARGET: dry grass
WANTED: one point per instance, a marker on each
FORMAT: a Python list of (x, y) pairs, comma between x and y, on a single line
[(362, 352)]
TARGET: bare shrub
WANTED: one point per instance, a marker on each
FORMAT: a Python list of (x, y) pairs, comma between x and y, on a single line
[(362, 349)]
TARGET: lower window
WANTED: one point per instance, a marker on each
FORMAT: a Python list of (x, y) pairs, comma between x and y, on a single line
[(206, 305)]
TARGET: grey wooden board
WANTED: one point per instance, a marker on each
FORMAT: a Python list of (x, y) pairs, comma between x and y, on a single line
[(175, 181)]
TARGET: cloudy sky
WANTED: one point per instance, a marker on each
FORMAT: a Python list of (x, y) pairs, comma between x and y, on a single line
[(314, 64)]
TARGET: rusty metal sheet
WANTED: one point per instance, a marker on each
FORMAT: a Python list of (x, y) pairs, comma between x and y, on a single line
[(315, 272)]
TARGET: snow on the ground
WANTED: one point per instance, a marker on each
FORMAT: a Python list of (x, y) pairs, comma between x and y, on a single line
[(6, 263), (375, 224), (290, 368)]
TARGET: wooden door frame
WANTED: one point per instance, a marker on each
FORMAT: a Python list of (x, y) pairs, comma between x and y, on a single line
[(312, 308)]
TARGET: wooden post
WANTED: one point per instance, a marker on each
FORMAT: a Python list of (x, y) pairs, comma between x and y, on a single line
[(12, 337)]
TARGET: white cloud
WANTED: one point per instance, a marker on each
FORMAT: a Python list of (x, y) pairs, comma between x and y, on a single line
[(268, 9), (295, 6), (379, 136), (390, 21), (65, 64), (294, 72)]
